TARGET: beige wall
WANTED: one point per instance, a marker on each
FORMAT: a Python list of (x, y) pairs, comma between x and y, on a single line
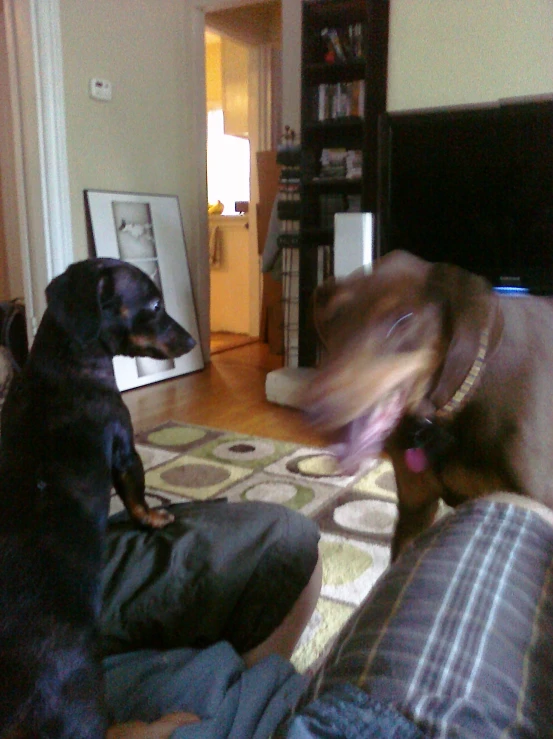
[(450, 52), (291, 63), (468, 51), (230, 280), (4, 284), (213, 73), (11, 268), (148, 139)]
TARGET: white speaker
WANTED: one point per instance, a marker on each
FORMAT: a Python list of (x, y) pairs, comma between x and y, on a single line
[(353, 242)]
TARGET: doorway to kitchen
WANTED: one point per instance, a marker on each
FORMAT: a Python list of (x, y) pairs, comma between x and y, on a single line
[(243, 96)]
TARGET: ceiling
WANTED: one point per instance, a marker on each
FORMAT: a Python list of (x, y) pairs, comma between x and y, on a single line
[(258, 23)]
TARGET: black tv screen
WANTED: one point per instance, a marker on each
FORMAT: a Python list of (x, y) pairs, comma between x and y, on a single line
[(473, 187)]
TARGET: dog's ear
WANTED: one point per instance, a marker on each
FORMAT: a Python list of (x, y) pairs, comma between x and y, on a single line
[(466, 301), (74, 299), (328, 300), (465, 296)]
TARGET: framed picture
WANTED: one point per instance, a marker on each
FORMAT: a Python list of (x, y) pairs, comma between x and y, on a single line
[(147, 231)]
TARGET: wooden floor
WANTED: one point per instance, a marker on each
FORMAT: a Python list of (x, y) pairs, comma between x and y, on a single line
[(222, 341), (228, 394)]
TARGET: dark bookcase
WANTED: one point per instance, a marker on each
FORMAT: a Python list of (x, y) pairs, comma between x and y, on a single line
[(343, 93)]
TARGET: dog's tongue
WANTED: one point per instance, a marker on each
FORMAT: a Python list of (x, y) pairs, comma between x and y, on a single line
[(364, 437)]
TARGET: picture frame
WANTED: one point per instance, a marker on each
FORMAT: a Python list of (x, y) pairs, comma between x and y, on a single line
[(147, 230)]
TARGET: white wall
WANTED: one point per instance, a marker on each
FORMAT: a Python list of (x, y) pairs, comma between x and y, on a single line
[(151, 137), (447, 52), (291, 64), (468, 51)]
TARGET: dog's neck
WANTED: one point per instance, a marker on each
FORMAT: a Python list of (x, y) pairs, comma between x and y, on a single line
[(67, 355), (471, 381), (462, 370)]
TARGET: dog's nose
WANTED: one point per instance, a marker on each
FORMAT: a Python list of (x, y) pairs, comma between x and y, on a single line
[(183, 343)]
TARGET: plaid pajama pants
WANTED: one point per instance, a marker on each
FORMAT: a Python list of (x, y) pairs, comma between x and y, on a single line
[(456, 640)]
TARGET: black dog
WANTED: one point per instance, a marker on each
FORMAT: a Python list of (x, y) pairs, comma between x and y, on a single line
[(67, 438)]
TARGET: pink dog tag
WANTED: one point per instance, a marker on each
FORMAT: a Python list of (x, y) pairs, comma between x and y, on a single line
[(416, 459)]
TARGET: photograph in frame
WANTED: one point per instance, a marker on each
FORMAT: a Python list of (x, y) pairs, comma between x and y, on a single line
[(147, 231)]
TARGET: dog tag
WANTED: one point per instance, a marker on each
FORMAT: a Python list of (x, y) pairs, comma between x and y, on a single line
[(416, 459)]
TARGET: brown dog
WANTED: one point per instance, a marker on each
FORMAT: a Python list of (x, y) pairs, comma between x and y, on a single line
[(427, 363)]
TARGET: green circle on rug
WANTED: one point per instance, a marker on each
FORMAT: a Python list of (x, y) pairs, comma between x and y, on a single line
[(315, 465), (288, 494), (195, 475), (175, 436), (342, 562)]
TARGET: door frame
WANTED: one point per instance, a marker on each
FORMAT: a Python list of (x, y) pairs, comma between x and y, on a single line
[(33, 149)]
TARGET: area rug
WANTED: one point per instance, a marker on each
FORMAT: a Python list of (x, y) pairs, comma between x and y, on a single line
[(356, 514)]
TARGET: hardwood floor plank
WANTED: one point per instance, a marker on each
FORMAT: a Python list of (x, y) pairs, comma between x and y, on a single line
[(228, 394), (222, 341)]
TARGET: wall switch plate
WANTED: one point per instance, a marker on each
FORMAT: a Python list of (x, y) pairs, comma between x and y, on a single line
[(100, 89)]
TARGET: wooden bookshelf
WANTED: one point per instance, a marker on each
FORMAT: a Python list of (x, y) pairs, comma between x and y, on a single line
[(344, 78)]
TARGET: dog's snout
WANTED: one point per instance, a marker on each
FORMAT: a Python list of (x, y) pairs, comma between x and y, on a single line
[(184, 343), (174, 340)]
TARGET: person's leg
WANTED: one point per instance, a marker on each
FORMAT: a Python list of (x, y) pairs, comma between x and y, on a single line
[(455, 638), (246, 573), (284, 638)]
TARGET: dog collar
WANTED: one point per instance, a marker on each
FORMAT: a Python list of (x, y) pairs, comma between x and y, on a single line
[(429, 440), (462, 394)]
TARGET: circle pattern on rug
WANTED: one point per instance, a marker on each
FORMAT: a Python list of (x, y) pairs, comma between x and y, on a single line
[(195, 475), (244, 450), (379, 481), (285, 493), (315, 465), (343, 562), (324, 625), (366, 516), (271, 492), (173, 436)]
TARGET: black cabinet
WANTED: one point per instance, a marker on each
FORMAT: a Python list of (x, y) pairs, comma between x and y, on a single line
[(343, 93)]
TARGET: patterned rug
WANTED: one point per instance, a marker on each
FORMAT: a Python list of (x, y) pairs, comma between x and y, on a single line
[(356, 514)]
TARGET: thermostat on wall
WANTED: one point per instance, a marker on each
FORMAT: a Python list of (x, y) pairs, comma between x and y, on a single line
[(100, 89)]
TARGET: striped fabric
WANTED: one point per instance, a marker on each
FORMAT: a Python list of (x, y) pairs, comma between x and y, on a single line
[(458, 635)]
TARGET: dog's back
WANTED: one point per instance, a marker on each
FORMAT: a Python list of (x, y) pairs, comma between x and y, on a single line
[(51, 552)]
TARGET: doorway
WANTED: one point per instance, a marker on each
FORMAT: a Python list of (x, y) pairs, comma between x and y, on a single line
[(243, 95)]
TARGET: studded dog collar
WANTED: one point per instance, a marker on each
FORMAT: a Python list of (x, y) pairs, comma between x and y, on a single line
[(462, 394), (430, 440)]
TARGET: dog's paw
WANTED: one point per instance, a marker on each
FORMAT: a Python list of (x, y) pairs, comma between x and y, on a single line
[(151, 518), (158, 518)]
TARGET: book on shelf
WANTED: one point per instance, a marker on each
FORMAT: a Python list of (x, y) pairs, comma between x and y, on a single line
[(332, 203), (340, 100), (288, 190), (288, 210), (354, 203), (344, 44), (329, 204), (341, 163)]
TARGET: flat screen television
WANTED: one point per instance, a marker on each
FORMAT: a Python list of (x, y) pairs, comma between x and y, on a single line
[(471, 186)]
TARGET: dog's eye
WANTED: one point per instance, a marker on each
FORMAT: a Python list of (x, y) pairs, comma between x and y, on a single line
[(400, 322), (156, 306)]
